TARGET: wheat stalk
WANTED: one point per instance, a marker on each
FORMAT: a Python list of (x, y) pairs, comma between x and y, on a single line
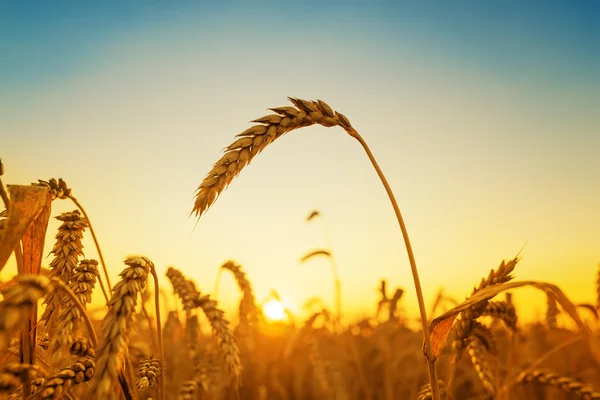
[(551, 312), (116, 324), (256, 138), (425, 392)]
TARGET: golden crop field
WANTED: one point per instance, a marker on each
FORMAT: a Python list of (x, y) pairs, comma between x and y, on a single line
[(155, 341)]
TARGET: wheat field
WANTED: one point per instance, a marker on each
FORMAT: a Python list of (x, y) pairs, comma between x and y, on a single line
[(52, 346)]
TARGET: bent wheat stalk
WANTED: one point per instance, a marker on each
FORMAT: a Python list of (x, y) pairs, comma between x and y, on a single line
[(256, 138)]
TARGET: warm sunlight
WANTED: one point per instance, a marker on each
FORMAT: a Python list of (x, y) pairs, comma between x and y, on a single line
[(274, 310)]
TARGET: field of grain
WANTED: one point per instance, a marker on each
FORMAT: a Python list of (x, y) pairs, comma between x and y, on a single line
[(53, 347)]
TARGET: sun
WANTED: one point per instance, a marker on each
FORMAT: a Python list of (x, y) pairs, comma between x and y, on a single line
[(274, 310)]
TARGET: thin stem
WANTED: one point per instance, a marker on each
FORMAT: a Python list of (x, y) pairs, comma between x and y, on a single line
[(97, 247), (335, 272), (161, 381), (26, 354), (435, 390), (215, 293), (4, 196)]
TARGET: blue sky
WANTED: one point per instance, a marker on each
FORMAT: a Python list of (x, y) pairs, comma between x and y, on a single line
[(543, 41)]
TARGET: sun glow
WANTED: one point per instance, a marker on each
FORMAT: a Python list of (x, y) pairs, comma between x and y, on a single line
[(274, 310)]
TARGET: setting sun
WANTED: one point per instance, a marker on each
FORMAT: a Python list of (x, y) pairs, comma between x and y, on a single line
[(274, 310)]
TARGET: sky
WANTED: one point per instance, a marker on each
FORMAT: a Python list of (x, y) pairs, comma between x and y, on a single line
[(484, 118)]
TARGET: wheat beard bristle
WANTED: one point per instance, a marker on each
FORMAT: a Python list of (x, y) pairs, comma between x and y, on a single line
[(256, 138)]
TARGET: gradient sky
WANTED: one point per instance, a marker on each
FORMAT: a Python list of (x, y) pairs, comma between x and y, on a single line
[(485, 119)]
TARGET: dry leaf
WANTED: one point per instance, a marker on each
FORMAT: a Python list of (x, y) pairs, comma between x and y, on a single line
[(26, 203), (440, 327)]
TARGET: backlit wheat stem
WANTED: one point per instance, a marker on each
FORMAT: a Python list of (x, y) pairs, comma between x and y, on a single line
[(161, 348), (256, 138), (504, 311)]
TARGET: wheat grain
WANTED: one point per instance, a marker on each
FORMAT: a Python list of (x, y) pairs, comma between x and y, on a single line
[(12, 374), (504, 311), (148, 373), (82, 370)]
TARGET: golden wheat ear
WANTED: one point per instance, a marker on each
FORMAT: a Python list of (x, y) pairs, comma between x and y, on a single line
[(256, 138)]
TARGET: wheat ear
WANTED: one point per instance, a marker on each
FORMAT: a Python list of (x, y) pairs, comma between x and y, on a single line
[(56, 386), (82, 284), (248, 311), (148, 373), (60, 190), (481, 365), (67, 250), (115, 327), (504, 311), (192, 298), (256, 138), (579, 389)]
